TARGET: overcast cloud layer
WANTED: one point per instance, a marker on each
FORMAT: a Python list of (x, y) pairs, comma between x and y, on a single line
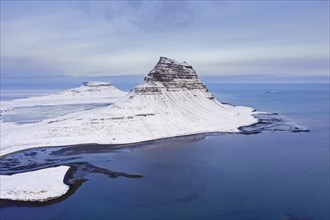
[(106, 38)]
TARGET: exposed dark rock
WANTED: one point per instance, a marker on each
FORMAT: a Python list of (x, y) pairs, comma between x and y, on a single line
[(271, 122), (96, 84), (171, 75), (144, 115)]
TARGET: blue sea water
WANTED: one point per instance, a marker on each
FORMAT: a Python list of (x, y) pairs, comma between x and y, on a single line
[(272, 175)]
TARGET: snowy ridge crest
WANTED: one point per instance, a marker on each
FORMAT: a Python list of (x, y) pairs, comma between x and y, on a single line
[(93, 87)]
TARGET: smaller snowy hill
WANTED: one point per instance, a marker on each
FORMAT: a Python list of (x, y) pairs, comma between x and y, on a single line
[(88, 92)]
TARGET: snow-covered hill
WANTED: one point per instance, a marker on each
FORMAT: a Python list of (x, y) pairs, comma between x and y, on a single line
[(88, 92), (171, 101)]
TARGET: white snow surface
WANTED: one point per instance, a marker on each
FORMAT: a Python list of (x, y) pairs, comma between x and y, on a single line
[(153, 110), (134, 118), (41, 185), (89, 92)]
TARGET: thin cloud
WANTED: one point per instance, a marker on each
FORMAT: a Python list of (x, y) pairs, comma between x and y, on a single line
[(112, 38)]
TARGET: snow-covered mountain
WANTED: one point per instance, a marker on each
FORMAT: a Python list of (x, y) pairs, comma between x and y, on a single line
[(88, 92), (171, 101)]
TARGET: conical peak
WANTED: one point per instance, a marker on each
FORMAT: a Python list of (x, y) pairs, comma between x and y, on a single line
[(168, 70), (173, 76)]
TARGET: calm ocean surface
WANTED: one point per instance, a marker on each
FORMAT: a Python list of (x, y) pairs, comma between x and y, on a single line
[(280, 175)]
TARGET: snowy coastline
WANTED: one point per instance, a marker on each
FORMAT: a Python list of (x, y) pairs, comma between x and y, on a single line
[(171, 101)]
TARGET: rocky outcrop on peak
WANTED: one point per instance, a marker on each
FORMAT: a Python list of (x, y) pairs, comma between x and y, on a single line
[(171, 75)]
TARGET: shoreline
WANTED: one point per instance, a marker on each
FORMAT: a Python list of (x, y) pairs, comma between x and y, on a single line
[(240, 130), (256, 129), (131, 144), (72, 181)]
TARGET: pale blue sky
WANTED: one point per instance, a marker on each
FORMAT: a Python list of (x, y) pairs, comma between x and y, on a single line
[(106, 38)]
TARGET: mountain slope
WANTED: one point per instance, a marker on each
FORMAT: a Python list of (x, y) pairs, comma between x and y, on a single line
[(171, 101)]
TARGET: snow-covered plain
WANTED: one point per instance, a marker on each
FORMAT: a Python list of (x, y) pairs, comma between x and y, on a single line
[(41, 185), (170, 102)]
